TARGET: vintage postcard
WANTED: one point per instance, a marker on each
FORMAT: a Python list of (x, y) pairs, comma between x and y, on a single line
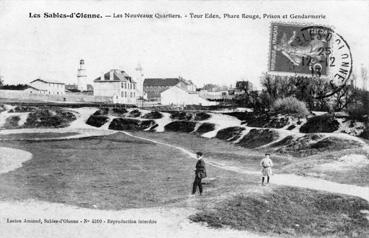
[(148, 119)]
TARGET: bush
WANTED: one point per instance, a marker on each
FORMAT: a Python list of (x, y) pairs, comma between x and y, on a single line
[(181, 116), (135, 113), (323, 123), (119, 110), (230, 133), (153, 115), (201, 116), (290, 105), (205, 127), (22, 109), (48, 118), (97, 121), (258, 137), (102, 111), (180, 126), (130, 124), (11, 122)]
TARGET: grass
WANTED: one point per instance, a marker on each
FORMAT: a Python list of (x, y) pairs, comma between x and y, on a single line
[(230, 133), (290, 211), (11, 122), (258, 137), (32, 136), (180, 126), (111, 172)]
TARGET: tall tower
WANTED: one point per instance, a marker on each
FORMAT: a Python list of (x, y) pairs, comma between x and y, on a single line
[(139, 80), (81, 76)]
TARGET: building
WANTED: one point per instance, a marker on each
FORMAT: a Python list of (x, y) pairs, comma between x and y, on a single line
[(178, 96), (49, 87), (118, 85), (153, 87), (81, 76)]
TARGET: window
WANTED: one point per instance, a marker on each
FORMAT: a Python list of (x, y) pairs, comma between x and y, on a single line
[(134, 86), (122, 85), (122, 92)]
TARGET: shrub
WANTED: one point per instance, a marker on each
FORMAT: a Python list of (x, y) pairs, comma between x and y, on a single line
[(181, 126), (153, 115), (48, 118), (258, 137), (323, 123), (205, 127), (230, 133), (181, 116), (290, 105), (102, 111), (11, 122), (130, 124), (97, 121), (135, 113), (201, 116)]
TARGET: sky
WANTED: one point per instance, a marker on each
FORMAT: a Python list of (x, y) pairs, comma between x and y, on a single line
[(202, 50)]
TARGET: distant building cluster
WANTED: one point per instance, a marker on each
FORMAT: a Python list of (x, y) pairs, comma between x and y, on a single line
[(117, 86)]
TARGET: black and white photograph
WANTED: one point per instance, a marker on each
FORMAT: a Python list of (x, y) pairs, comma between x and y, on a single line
[(174, 118)]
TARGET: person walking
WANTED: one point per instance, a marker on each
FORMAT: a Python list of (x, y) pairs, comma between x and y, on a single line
[(200, 173), (266, 170)]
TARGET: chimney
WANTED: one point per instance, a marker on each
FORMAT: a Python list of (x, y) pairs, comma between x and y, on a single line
[(111, 75)]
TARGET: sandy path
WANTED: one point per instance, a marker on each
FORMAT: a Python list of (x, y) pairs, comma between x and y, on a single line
[(170, 221), (284, 179), (11, 159)]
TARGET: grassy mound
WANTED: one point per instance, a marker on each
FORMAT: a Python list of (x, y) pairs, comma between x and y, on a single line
[(201, 116), (205, 127), (153, 115), (119, 111), (180, 126), (11, 122), (285, 141), (22, 109), (135, 113), (42, 118), (258, 137), (130, 124), (323, 123), (291, 211), (260, 120), (230, 133), (177, 115), (38, 136), (97, 121), (314, 144), (102, 111)]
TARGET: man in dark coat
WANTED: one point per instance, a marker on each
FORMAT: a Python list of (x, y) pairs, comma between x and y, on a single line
[(200, 173)]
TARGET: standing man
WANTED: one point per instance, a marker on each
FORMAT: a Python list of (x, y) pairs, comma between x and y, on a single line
[(266, 164), (200, 173)]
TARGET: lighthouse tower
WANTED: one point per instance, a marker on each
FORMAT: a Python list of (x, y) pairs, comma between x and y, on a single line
[(81, 76), (139, 80)]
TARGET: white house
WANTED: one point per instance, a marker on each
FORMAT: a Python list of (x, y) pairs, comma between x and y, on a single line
[(118, 85), (49, 87), (178, 96)]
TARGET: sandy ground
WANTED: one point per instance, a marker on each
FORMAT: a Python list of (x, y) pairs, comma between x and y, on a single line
[(11, 159), (170, 221)]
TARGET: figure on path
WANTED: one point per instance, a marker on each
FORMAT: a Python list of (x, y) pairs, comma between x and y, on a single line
[(200, 173), (266, 164)]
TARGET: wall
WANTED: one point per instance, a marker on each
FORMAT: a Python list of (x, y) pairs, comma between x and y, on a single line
[(51, 88), (25, 96)]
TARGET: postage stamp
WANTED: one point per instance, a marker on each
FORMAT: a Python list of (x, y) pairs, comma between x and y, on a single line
[(311, 51)]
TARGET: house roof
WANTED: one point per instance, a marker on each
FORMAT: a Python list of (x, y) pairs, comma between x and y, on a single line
[(29, 86), (160, 82), (47, 81), (118, 76)]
